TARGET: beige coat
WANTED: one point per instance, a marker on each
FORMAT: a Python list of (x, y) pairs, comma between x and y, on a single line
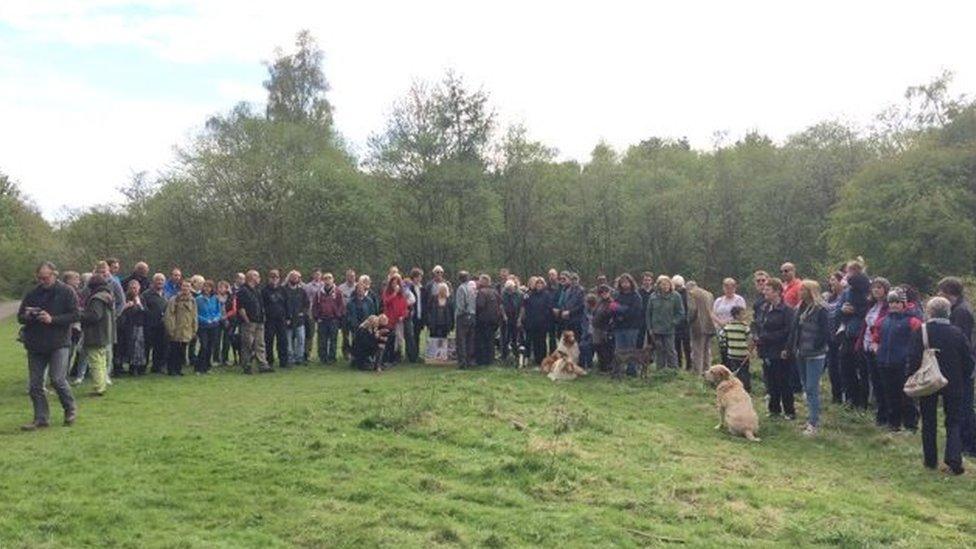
[(181, 319), (700, 304)]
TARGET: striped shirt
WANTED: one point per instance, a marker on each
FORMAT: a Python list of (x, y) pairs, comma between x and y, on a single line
[(735, 337)]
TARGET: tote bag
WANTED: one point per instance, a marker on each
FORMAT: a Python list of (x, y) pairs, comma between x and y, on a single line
[(928, 379)]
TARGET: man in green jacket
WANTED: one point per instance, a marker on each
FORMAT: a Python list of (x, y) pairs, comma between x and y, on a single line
[(98, 327), (664, 313)]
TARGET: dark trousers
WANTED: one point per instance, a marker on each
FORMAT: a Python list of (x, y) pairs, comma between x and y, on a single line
[(740, 367), (227, 339), (411, 339), (967, 418), (833, 371), (853, 366), (604, 354), (276, 339), (347, 341), (952, 405), (777, 373), (157, 346), (510, 338), (464, 335), (682, 346), (877, 389), (176, 357), (484, 343), (413, 343), (642, 338), (328, 335), (900, 408), (535, 345), (310, 329), (553, 339), (208, 338)]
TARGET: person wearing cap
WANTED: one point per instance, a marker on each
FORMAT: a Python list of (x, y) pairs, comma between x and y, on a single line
[(891, 344), (665, 312)]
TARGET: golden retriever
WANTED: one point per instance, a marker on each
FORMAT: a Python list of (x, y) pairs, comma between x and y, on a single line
[(734, 404)]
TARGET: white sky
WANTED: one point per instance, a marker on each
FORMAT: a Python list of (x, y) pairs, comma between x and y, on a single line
[(92, 91)]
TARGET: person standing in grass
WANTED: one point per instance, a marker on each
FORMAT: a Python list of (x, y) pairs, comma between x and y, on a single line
[(396, 309), (832, 301), (98, 327), (132, 337), (329, 308), (628, 317), (701, 326), (645, 291), (722, 309), (956, 364), (275, 319), (464, 313), (209, 315), (537, 318), (682, 334), (181, 327), (312, 288), (488, 316), (773, 335), (250, 311), (154, 329), (512, 298), (734, 339), (298, 307), (47, 313), (809, 334), (891, 346), (665, 313), (961, 316), (440, 313), (228, 339)]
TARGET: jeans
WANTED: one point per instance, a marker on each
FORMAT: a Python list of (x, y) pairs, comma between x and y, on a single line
[(777, 374), (296, 343), (665, 354), (811, 369), (701, 353), (901, 408), (952, 404), (252, 345), (56, 364), (465, 340), (328, 335)]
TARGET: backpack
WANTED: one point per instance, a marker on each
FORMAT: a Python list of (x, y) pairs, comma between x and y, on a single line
[(928, 380)]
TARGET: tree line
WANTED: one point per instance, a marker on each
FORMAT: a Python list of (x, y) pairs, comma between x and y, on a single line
[(443, 183)]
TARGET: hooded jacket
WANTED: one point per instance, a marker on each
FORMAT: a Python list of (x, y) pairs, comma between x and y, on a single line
[(98, 318), (61, 302), (181, 319)]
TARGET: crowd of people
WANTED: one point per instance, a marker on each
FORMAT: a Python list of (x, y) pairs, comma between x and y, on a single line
[(867, 334)]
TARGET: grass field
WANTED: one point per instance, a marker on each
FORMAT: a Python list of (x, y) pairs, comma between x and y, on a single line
[(422, 456)]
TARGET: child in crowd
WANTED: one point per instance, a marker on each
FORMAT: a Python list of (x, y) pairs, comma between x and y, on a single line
[(734, 340)]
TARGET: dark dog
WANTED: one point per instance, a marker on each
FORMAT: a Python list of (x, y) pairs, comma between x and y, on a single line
[(642, 358)]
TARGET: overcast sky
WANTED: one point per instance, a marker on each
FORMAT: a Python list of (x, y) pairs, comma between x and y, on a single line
[(92, 91)]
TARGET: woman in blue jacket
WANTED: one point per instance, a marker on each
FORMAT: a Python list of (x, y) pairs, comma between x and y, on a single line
[(209, 314), (891, 346)]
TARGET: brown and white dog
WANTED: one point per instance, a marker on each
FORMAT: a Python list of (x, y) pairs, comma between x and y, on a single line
[(734, 404), (563, 363)]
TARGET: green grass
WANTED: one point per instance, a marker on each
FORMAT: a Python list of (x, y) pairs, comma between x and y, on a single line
[(422, 456)]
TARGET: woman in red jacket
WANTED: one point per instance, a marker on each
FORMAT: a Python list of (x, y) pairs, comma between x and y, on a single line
[(396, 308)]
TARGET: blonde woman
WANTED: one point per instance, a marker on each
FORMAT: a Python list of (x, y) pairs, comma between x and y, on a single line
[(809, 335), (665, 312)]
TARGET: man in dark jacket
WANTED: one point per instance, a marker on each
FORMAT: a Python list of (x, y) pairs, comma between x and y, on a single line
[(275, 319), (47, 313), (961, 317), (297, 306), (956, 364), (154, 300), (568, 308), (414, 323), (488, 316), (646, 289), (250, 312), (140, 273), (329, 308)]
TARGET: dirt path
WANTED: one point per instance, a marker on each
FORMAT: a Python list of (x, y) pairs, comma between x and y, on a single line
[(8, 308)]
